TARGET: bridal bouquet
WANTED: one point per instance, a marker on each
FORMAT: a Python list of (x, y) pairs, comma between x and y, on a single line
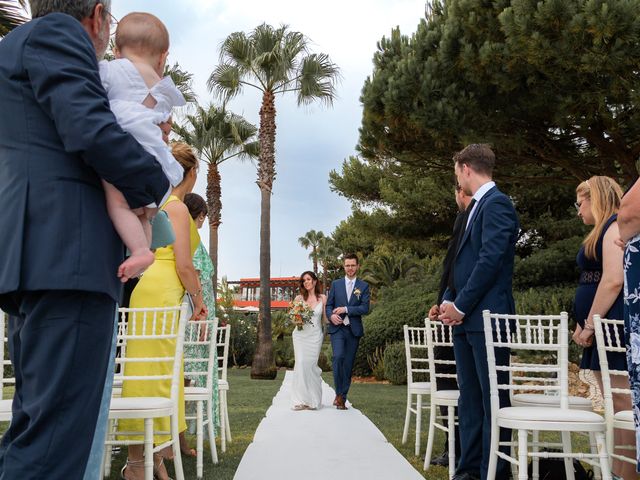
[(300, 313)]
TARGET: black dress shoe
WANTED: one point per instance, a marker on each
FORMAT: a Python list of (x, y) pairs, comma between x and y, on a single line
[(441, 460), (465, 476)]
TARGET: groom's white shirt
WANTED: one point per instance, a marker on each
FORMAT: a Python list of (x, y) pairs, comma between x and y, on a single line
[(349, 287)]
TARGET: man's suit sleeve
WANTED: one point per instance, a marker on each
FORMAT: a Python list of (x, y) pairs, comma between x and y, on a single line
[(330, 300), (63, 72), (499, 224), (363, 308)]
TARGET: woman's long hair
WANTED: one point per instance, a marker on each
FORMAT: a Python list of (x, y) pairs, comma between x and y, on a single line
[(316, 290), (605, 195)]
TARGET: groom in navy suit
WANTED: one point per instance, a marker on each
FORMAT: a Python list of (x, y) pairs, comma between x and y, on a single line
[(348, 301), (60, 251), (482, 275)]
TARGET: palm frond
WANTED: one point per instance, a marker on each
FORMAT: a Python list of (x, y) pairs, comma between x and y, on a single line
[(224, 81), (317, 79), (237, 49), (183, 81)]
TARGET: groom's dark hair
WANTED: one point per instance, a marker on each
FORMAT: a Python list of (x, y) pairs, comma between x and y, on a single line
[(351, 256)]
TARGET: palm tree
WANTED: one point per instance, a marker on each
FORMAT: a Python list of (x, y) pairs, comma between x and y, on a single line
[(218, 136), (13, 13), (311, 240), (384, 270), (273, 61), (328, 254), (183, 81)]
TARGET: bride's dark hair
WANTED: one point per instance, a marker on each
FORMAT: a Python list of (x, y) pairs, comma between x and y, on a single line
[(316, 290)]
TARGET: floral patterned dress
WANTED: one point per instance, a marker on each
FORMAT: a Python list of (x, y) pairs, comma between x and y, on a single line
[(632, 328), (202, 263)]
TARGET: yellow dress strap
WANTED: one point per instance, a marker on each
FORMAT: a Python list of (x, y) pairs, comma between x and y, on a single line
[(172, 198)]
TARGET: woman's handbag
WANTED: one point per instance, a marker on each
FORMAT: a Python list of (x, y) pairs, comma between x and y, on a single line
[(190, 305)]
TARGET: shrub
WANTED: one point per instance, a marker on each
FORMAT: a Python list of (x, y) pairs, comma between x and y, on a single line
[(395, 364), (402, 303), (550, 266), (375, 360), (242, 344), (283, 352), (324, 362)]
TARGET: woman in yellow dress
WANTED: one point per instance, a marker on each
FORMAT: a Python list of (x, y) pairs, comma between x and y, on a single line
[(163, 285)]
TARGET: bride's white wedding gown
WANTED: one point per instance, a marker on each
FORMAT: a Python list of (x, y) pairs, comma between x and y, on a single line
[(307, 384)]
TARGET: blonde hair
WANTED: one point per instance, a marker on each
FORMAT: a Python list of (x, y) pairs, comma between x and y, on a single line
[(142, 32), (605, 195), (185, 156)]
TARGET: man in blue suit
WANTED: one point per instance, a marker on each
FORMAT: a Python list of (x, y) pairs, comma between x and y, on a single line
[(60, 252), (482, 279), (348, 301)]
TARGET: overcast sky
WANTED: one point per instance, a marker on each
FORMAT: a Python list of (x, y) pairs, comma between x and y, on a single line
[(310, 141)]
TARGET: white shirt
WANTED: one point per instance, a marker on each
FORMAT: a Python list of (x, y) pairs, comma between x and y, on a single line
[(127, 90)]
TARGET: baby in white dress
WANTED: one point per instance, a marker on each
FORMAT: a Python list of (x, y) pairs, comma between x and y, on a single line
[(141, 100)]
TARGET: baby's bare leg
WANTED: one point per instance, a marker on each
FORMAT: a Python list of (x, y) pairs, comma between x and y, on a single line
[(132, 232)]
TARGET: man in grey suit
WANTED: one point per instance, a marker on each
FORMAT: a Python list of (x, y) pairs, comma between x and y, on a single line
[(58, 139)]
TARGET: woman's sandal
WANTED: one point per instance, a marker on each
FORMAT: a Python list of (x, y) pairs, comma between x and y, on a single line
[(157, 467), (132, 464)]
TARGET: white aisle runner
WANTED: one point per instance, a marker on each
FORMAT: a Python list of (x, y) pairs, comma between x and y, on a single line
[(322, 444)]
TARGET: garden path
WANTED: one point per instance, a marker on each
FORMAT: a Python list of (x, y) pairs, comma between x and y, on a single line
[(321, 444)]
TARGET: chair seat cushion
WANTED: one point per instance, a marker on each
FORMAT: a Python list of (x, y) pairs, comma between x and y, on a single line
[(451, 395), (420, 387), (535, 399), (223, 385), (5, 410), (196, 393), (548, 414), (624, 416)]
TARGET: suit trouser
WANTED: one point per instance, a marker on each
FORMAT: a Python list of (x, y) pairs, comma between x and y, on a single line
[(474, 406), (60, 344), (344, 345)]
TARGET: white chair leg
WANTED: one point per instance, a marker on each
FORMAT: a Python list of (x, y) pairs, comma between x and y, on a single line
[(199, 442), (177, 454), (418, 423), (535, 461), (223, 426), (514, 444), (493, 452), (594, 451), (451, 426), (605, 469), (226, 417), (148, 449), (407, 419), (568, 462), (211, 432), (432, 422), (522, 455)]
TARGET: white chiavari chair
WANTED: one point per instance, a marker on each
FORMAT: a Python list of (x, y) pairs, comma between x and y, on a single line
[(539, 333), (149, 325), (418, 384), (222, 345), (609, 339), (441, 335), (6, 379), (200, 366)]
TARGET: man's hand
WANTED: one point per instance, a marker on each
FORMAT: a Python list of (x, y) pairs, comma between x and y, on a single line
[(336, 319), (166, 129), (434, 311), (449, 315), (339, 310)]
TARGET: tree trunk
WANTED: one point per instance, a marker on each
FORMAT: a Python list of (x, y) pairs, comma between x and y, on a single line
[(314, 255), (263, 365), (214, 205)]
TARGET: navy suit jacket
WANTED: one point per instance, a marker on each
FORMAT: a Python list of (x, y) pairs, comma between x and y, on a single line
[(58, 139), (357, 305), (483, 269)]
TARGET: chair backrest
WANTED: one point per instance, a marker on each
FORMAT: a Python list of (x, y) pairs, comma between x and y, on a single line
[(610, 339), (438, 335), (6, 372), (140, 359), (417, 354), (534, 334), (200, 352), (222, 343)]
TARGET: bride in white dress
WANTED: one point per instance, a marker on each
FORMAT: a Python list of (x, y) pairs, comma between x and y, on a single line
[(307, 384)]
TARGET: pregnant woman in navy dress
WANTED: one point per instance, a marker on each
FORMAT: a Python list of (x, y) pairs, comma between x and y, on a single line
[(600, 289)]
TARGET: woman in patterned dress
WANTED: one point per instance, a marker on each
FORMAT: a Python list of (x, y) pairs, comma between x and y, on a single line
[(629, 223)]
